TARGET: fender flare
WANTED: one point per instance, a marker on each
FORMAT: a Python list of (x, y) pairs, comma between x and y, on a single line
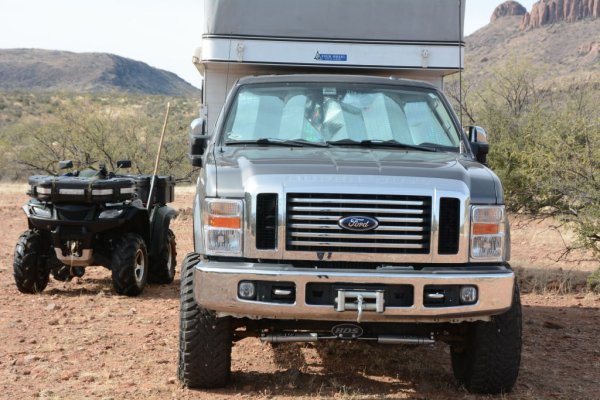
[(160, 225)]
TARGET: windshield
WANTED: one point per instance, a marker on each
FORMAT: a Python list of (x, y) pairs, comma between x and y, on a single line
[(339, 114)]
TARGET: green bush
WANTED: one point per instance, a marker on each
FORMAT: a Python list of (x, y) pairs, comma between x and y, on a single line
[(545, 145), (95, 128)]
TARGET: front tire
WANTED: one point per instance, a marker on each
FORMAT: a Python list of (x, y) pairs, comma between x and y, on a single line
[(129, 264), (163, 265), (29, 264), (204, 339), (489, 359)]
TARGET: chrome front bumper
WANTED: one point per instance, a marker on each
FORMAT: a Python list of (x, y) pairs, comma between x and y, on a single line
[(216, 284)]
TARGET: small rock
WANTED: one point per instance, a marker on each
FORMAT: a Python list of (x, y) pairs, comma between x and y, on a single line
[(26, 372), (31, 358), (52, 307), (172, 380), (66, 376), (53, 322)]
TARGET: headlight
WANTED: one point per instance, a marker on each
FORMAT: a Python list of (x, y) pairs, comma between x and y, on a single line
[(42, 190), (488, 233), (102, 192), (71, 192), (111, 213), (41, 212), (223, 226)]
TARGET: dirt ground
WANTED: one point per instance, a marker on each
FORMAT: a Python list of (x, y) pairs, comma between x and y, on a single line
[(80, 340)]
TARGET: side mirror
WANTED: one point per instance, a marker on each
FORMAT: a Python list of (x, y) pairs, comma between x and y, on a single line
[(66, 164), (124, 164), (198, 141), (479, 143)]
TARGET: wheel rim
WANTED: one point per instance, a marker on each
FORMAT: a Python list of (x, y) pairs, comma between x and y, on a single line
[(170, 263), (140, 266)]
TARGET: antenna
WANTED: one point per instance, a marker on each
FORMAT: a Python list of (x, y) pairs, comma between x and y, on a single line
[(460, 61)]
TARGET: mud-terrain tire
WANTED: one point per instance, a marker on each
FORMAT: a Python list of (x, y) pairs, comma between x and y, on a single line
[(129, 264), (163, 265), (204, 339), (29, 264), (488, 361)]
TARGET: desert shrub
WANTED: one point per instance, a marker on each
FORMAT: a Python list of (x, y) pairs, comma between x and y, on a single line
[(97, 128), (594, 282), (545, 145)]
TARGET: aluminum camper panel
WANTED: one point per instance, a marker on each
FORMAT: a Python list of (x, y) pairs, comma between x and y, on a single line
[(345, 20)]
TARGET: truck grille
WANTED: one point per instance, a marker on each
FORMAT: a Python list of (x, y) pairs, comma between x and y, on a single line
[(404, 223), (266, 221), (449, 236)]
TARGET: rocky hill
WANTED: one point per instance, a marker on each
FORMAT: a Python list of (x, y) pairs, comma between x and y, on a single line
[(547, 12), (49, 70), (507, 9), (560, 38)]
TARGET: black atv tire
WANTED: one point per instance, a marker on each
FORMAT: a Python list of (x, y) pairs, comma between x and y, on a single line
[(204, 339), (489, 359), (129, 264), (29, 264), (163, 265)]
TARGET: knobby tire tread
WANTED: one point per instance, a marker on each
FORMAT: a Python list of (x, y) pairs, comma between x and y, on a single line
[(491, 358), (159, 271), (123, 264), (204, 340), (29, 264)]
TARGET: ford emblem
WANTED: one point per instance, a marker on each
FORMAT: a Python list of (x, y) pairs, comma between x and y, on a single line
[(358, 224), (347, 331)]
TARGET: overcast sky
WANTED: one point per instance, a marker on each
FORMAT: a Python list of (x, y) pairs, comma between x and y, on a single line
[(160, 33)]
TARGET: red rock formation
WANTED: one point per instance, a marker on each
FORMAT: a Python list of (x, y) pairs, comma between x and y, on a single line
[(507, 9), (546, 12)]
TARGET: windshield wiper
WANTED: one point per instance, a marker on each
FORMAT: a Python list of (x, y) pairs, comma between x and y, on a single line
[(381, 143), (279, 142)]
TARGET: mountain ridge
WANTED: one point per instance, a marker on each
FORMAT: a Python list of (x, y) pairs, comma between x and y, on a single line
[(57, 70), (564, 52)]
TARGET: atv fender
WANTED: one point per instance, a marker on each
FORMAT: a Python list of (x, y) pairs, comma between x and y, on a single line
[(160, 225)]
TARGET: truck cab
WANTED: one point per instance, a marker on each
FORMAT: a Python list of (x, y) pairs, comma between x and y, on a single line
[(337, 203)]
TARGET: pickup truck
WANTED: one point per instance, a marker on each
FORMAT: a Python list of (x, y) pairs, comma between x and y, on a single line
[(347, 207)]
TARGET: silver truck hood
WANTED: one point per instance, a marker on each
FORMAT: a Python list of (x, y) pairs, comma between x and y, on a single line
[(233, 169)]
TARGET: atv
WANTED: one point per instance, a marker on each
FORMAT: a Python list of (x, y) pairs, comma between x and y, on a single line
[(96, 217)]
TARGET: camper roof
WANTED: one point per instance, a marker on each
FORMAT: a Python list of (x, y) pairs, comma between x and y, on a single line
[(347, 20)]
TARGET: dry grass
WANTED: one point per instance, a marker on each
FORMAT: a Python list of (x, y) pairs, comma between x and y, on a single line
[(13, 188), (551, 281)]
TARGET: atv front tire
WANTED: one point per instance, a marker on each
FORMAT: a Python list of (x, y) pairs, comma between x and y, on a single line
[(204, 339), (29, 265), (488, 360), (129, 264), (162, 266)]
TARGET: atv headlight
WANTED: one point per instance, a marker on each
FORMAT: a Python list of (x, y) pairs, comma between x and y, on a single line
[(488, 233), (42, 190), (110, 213), (102, 192), (41, 212), (223, 226)]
